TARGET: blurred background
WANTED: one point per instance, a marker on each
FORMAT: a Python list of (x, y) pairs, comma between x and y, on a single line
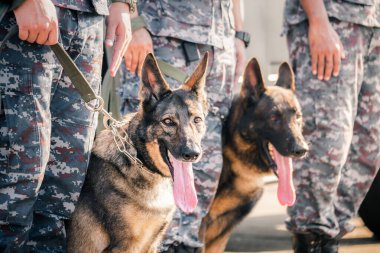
[(263, 20)]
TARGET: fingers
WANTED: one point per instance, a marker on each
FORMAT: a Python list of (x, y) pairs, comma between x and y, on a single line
[(337, 62), (321, 66), (128, 60), (329, 64), (53, 36), (116, 59), (314, 62), (117, 55), (33, 33), (46, 34), (23, 33), (238, 70), (134, 63), (42, 37), (111, 33)]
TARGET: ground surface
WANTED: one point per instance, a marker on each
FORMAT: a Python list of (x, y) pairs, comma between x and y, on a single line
[(264, 231)]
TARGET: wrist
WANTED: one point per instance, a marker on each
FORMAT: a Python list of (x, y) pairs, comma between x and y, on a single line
[(130, 3), (319, 20), (137, 23)]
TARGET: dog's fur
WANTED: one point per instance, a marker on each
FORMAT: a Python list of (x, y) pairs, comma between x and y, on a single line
[(258, 116), (124, 207)]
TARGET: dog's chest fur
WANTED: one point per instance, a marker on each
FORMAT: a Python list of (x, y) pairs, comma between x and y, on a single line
[(138, 202)]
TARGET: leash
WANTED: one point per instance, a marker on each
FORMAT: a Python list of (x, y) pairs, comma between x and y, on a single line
[(87, 93)]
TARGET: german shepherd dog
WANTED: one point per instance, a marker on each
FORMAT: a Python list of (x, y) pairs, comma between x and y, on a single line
[(124, 206), (260, 117)]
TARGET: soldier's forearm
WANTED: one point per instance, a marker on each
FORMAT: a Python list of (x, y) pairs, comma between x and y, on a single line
[(238, 19), (315, 11)]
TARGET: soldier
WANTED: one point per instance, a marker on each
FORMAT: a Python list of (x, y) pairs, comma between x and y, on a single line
[(46, 131), (179, 33), (334, 46)]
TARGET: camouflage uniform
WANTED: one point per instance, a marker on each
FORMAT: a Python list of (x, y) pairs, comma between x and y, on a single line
[(342, 118), (170, 23), (46, 131)]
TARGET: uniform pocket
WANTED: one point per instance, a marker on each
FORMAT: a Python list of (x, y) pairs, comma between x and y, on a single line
[(19, 139)]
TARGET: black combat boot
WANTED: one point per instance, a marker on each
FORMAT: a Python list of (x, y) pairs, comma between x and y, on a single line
[(330, 245), (307, 243), (314, 243)]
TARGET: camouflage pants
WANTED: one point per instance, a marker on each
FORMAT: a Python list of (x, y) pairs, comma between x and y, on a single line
[(46, 133), (342, 125), (185, 228)]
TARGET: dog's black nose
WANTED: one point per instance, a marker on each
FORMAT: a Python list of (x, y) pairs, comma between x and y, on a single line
[(300, 150), (190, 154)]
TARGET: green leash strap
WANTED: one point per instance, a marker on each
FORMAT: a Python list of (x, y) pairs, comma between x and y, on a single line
[(73, 72), (172, 71)]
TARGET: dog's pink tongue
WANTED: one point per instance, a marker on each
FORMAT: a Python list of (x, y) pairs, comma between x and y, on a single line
[(184, 189), (285, 191)]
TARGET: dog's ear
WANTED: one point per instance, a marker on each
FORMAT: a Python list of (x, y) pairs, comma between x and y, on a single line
[(197, 80), (286, 77), (253, 84), (153, 85)]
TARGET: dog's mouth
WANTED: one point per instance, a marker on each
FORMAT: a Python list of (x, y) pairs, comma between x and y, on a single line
[(282, 167), (182, 174)]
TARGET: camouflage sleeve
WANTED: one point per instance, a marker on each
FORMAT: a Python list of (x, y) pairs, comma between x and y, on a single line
[(15, 3)]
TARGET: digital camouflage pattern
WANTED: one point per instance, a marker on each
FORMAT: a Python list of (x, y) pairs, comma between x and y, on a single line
[(46, 132), (342, 125), (98, 6), (185, 228), (205, 22), (361, 12)]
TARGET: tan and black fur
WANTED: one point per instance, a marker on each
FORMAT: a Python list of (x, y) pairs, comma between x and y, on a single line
[(124, 207), (258, 116)]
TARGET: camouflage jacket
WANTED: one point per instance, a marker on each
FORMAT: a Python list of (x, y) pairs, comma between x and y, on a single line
[(98, 6), (207, 22), (362, 12)]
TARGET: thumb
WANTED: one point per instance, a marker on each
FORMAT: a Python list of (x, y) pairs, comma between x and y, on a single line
[(110, 36)]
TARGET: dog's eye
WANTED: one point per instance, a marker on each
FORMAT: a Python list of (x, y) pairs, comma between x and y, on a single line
[(168, 122), (197, 120), (275, 118)]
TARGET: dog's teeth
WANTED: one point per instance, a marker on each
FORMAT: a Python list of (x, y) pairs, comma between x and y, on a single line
[(270, 148)]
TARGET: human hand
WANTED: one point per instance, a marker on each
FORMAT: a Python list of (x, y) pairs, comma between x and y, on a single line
[(141, 44), (37, 22), (326, 50), (118, 33), (240, 60)]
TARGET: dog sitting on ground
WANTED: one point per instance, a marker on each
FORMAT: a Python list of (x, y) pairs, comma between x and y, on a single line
[(260, 117), (125, 207)]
